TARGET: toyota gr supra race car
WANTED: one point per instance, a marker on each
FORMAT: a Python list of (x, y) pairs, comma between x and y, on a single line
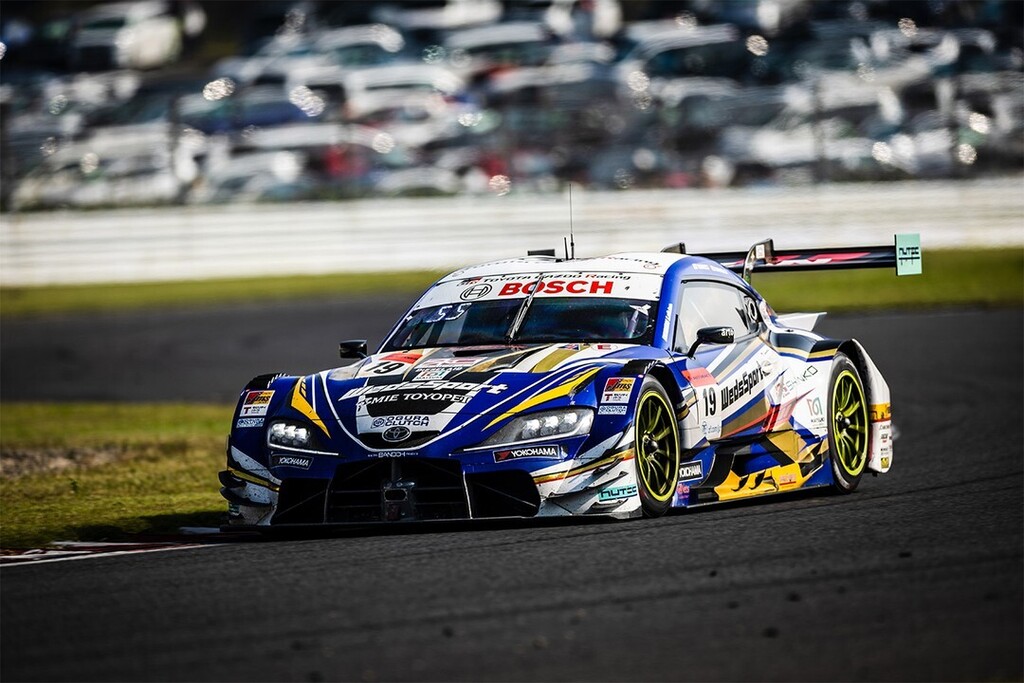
[(619, 386)]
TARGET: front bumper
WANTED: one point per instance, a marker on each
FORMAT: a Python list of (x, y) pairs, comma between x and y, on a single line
[(422, 489)]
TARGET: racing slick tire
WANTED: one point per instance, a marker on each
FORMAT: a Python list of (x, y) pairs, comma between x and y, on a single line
[(848, 426), (656, 439)]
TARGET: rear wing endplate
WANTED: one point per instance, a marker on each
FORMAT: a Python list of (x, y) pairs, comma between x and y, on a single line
[(904, 255)]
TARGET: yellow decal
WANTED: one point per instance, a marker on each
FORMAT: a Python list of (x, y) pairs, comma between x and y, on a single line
[(252, 479), (563, 389), (485, 366), (880, 412), (803, 353), (301, 404), (771, 480), (625, 455), (553, 359)]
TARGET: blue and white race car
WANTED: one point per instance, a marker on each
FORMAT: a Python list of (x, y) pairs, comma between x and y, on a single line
[(620, 386)]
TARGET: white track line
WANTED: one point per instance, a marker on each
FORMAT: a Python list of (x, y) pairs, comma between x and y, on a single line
[(94, 555)]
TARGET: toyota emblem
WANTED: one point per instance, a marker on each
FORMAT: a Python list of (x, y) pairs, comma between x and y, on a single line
[(476, 292), (396, 434)]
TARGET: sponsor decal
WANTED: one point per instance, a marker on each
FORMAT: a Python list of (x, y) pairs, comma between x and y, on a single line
[(448, 363), (880, 412), (469, 390), (786, 385), (558, 287), (710, 430), (616, 493), (885, 463), (299, 461), (819, 259), (682, 494), (786, 479), (373, 400), (433, 374), (396, 434), (244, 422), (477, 291), (691, 470), (528, 452), (741, 386), (617, 390), (649, 265), (908, 254), (423, 396), (393, 454), (401, 421), (612, 410), (698, 377), (814, 405), (256, 404), (666, 322)]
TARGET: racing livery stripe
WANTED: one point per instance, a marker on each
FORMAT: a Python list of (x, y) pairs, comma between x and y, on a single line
[(553, 359), (623, 456), (501, 362), (252, 478), (727, 363), (301, 404), (747, 417), (563, 389), (806, 355)]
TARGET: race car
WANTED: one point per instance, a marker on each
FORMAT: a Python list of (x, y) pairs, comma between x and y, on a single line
[(620, 386)]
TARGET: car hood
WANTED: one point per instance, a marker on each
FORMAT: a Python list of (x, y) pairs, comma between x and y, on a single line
[(404, 399)]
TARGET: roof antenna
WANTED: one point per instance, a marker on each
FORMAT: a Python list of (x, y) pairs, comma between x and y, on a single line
[(572, 241)]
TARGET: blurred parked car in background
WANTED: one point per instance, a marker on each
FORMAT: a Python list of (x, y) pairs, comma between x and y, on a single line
[(134, 35), (303, 100)]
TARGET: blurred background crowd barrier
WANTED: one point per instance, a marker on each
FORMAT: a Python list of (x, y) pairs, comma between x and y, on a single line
[(132, 245), (153, 103)]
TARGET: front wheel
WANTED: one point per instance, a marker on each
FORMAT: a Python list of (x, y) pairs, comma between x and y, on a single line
[(848, 427), (656, 439)]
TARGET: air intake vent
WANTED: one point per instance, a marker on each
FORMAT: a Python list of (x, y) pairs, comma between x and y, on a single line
[(396, 490)]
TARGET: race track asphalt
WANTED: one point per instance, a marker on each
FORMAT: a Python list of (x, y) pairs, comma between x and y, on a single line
[(916, 576)]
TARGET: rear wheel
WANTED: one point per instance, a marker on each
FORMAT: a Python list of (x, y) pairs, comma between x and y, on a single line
[(657, 448), (848, 427)]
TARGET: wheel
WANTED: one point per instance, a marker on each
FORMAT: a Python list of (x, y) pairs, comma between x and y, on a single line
[(847, 425), (657, 448)]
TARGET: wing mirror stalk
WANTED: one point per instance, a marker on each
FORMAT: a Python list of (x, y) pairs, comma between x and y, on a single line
[(712, 335)]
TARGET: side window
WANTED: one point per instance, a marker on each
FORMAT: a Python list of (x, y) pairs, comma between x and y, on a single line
[(708, 304)]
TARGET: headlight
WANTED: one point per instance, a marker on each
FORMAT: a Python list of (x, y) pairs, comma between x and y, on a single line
[(545, 425), (290, 435)]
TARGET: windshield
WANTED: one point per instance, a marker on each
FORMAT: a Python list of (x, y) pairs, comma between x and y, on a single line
[(547, 320)]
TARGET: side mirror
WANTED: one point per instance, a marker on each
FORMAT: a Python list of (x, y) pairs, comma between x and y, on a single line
[(353, 348), (712, 335)]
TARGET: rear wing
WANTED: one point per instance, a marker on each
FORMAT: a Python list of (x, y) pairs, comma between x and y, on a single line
[(904, 255)]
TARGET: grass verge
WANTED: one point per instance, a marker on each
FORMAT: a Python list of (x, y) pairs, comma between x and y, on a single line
[(21, 301), (105, 471), (983, 277)]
